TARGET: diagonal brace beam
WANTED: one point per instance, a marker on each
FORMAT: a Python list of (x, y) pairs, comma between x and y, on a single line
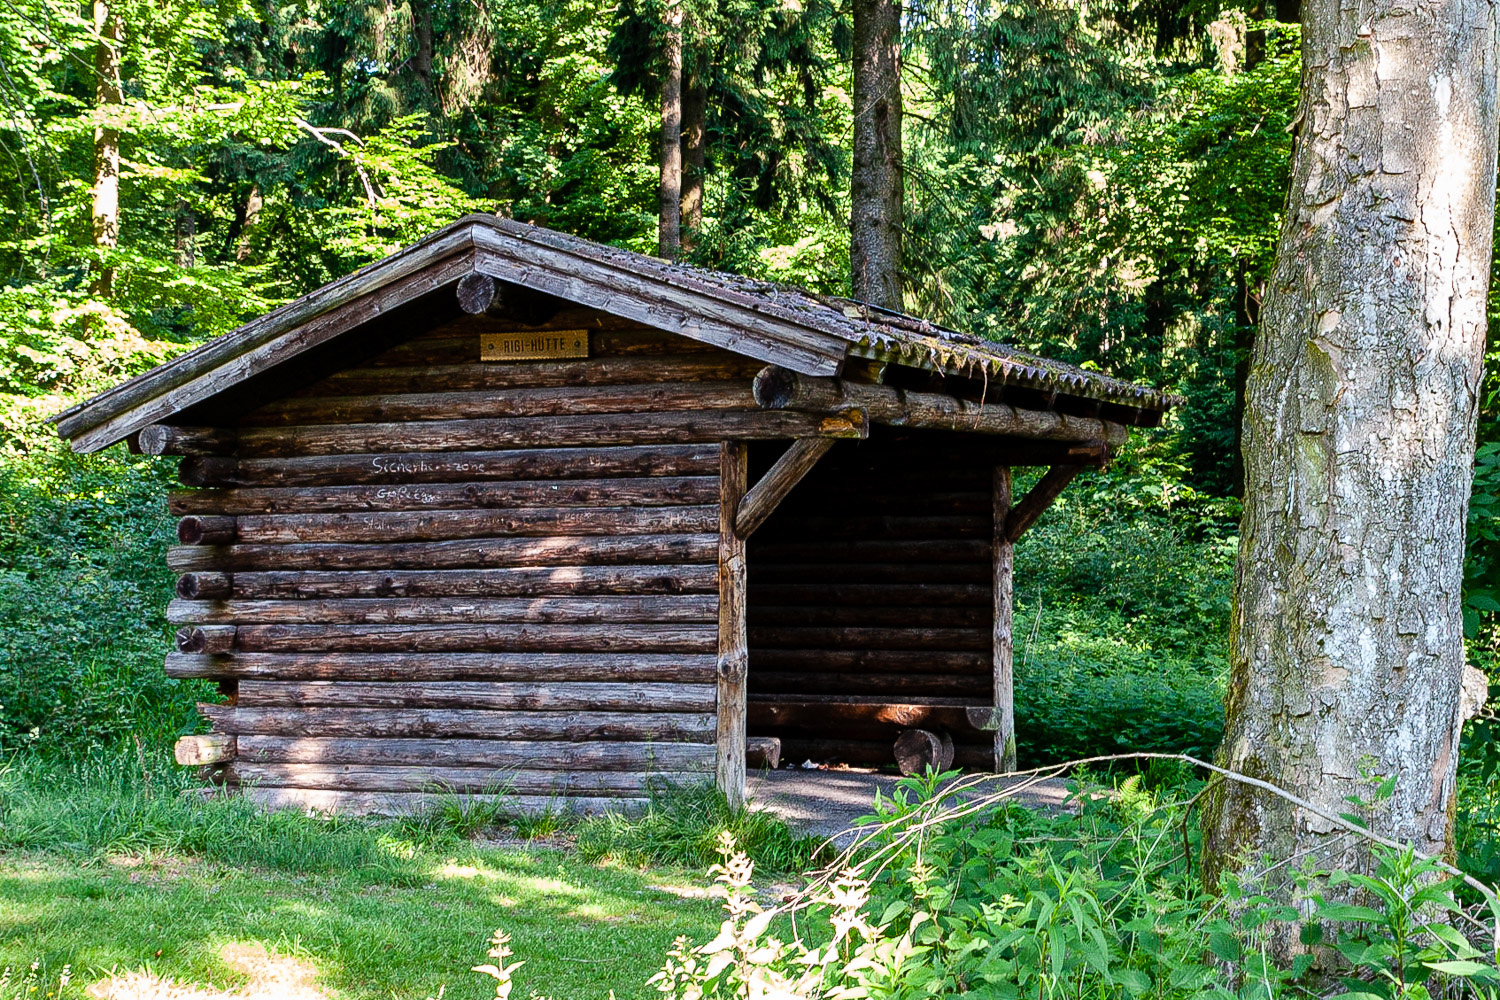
[(796, 462), (1024, 514)]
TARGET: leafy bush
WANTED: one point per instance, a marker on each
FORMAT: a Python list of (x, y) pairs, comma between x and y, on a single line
[(83, 591), (950, 899), (1122, 613)]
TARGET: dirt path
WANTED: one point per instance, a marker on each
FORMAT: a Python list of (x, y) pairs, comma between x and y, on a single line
[(827, 803)]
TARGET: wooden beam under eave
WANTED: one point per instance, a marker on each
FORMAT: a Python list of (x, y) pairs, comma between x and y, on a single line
[(778, 388), (763, 499), (1038, 499), (734, 648)]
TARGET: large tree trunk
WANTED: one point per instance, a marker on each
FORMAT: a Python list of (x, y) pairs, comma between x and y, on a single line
[(875, 210), (1346, 648), (105, 192), (669, 230), (694, 112)]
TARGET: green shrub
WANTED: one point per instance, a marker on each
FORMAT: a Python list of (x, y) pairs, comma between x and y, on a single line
[(83, 593), (1101, 904)]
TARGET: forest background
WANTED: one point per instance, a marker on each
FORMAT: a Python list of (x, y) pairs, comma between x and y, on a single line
[(1102, 183)]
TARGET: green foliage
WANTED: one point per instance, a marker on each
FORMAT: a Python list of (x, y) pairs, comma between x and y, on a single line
[(953, 897), (1122, 614), (682, 827), (83, 598)]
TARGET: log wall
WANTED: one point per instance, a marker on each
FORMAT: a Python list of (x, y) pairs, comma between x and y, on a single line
[(430, 572), (870, 607)]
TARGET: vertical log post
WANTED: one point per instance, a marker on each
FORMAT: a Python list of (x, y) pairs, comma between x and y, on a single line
[(1005, 704), (733, 644)]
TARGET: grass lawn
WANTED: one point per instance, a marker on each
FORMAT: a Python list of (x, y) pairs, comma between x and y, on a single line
[(582, 929), (106, 866)]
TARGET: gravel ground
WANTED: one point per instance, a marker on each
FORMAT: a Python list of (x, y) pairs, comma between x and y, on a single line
[(827, 803)]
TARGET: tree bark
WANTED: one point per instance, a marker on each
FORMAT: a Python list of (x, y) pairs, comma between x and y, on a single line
[(1346, 645), (105, 192), (669, 197), (694, 135), (875, 217)]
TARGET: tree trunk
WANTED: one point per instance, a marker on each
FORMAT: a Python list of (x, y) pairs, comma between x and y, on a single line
[(669, 231), (106, 187), (875, 219), (694, 112), (1346, 645)]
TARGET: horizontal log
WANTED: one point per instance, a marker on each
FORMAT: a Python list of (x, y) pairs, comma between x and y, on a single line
[(494, 553), (445, 525), (782, 389), (663, 491), (970, 757), (412, 723), (207, 748), (791, 526), (894, 685), (436, 610), (207, 640), (935, 550), (862, 594), (650, 397), (361, 778), (873, 661), (161, 439), (830, 717), (550, 667), (528, 581), (539, 432), (787, 637), (770, 572), (206, 530), (457, 638), (458, 343), (492, 695), (204, 586), (331, 802), (836, 496), (884, 616), (474, 375), (406, 468), (500, 754)]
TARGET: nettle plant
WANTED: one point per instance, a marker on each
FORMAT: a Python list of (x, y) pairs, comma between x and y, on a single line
[(949, 895)]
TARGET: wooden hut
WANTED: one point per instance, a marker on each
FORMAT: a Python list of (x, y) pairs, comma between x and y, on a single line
[(514, 511)]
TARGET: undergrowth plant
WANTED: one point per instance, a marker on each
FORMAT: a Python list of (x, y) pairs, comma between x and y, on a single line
[(969, 895)]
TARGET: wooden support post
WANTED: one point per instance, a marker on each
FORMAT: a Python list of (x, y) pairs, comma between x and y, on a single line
[(796, 462), (1004, 647), (1031, 507), (733, 643)]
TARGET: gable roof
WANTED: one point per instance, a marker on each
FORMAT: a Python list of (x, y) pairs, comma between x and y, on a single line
[(797, 329)]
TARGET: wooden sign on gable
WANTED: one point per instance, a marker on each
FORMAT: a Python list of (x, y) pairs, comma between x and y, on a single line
[(533, 345)]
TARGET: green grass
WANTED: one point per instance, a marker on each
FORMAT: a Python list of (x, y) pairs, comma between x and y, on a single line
[(105, 864)]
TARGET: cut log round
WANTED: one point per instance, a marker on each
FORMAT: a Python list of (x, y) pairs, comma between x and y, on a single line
[(206, 530), (208, 748), (920, 750), (206, 639), (204, 586)]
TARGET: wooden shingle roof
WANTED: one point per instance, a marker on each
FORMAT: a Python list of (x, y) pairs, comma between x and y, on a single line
[(790, 327)]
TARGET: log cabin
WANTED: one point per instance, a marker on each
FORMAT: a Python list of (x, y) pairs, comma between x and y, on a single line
[(511, 512)]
